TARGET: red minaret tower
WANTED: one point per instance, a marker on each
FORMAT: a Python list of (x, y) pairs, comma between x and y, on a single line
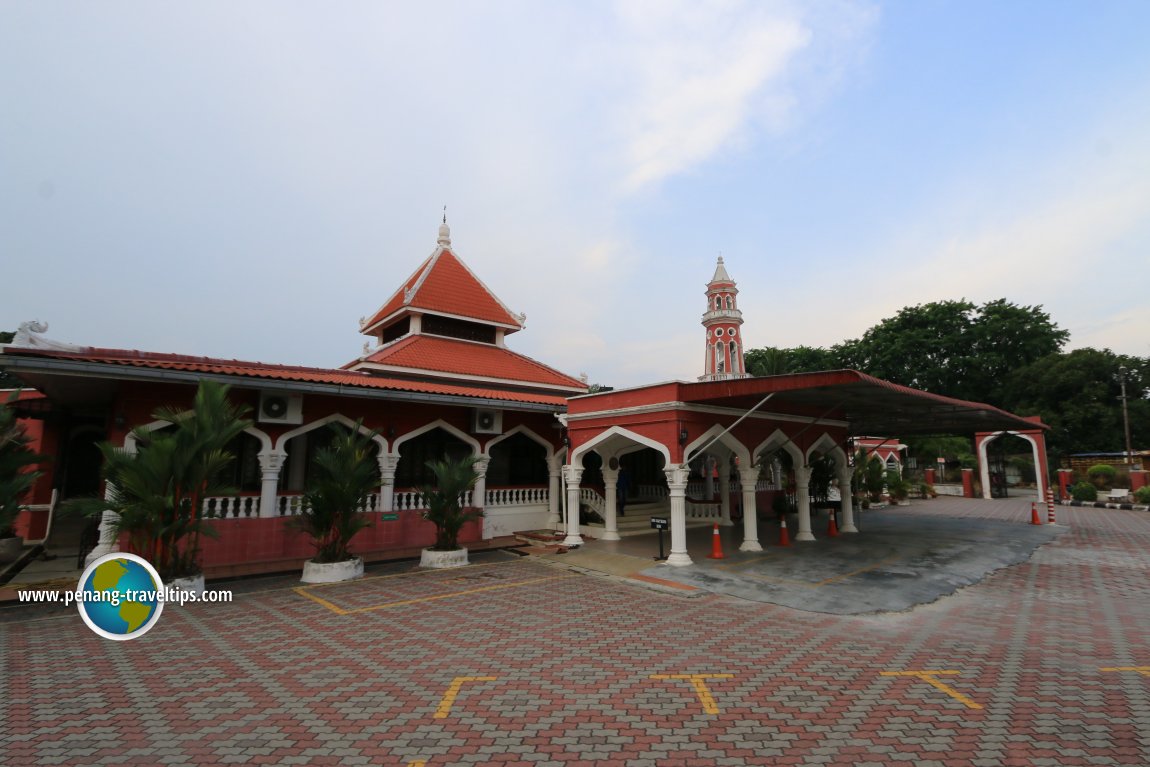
[(724, 358)]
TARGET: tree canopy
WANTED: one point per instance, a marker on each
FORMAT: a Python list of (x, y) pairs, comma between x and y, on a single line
[(999, 353)]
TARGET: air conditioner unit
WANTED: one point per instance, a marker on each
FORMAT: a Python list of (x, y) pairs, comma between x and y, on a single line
[(487, 421), (281, 408)]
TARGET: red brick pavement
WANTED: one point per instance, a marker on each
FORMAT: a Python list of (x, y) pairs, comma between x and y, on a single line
[(279, 678)]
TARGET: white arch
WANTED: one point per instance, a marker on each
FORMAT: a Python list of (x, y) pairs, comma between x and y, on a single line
[(777, 440), (984, 467), (281, 442), (827, 445), (130, 437), (439, 424), (525, 432), (726, 439), (619, 431)]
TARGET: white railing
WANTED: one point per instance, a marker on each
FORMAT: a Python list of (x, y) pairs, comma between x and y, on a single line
[(237, 506), (248, 506), (517, 496), (712, 510), (766, 485), (651, 492), (590, 497)]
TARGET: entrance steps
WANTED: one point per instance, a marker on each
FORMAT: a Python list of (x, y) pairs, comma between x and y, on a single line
[(637, 520)]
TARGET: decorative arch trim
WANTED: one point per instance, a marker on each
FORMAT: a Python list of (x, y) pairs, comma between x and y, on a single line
[(777, 440), (281, 442), (439, 424), (618, 431), (727, 440), (525, 431)]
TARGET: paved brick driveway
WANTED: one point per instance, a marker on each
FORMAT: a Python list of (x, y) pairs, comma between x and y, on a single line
[(519, 662)]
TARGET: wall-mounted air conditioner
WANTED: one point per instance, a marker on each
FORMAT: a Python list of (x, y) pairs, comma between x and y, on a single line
[(281, 408), (486, 421)]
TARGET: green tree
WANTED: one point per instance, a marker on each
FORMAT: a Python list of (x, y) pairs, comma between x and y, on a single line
[(158, 491), (770, 360), (956, 348), (16, 460), (1077, 394), (343, 475), (445, 510)]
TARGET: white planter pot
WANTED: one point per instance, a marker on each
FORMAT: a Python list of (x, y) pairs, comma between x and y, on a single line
[(11, 549), (332, 572), (193, 584), (443, 559)]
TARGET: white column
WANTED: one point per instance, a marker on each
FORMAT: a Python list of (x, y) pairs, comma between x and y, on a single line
[(573, 475), (479, 493), (725, 492), (749, 478), (677, 484), (270, 464), (984, 468), (847, 501), (611, 521), (107, 543), (388, 462), (554, 493), (803, 490)]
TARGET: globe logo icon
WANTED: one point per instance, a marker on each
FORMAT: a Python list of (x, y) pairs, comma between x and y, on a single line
[(122, 596)]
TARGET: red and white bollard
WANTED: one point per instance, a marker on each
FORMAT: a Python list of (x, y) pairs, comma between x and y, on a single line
[(1050, 520)]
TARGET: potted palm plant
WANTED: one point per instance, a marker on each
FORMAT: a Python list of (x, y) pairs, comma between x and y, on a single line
[(343, 475), (158, 491), (16, 479), (445, 509)]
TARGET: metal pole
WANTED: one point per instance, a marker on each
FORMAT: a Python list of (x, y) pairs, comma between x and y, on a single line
[(1125, 415)]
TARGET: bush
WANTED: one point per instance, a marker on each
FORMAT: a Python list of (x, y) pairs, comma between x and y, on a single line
[(1102, 476), (1142, 495), (1084, 491)]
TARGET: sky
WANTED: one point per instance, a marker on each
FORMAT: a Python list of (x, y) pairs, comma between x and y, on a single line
[(246, 180)]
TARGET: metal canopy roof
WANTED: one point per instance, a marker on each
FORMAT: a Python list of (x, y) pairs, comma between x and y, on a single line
[(870, 405)]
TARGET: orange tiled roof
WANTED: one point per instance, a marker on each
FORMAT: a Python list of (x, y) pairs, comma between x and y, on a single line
[(455, 357), (444, 284), (267, 371)]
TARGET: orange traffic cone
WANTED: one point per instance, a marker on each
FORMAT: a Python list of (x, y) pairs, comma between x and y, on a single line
[(832, 528), (716, 545), (1034, 520), (784, 539)]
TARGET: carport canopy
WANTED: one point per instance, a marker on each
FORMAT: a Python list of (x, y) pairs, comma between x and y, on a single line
[(869, 405)]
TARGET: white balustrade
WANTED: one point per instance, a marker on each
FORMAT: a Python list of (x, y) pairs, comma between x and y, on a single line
[(711, 510), (651, 492), (224, 507), (591, 497), (516, 496)]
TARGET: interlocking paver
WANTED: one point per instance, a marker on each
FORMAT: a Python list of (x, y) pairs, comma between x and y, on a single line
[(277, 677)]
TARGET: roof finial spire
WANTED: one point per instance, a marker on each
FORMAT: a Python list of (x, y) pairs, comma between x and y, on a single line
[(444, 232)]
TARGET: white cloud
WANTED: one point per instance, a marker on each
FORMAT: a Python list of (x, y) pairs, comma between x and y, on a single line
[(699, 72)]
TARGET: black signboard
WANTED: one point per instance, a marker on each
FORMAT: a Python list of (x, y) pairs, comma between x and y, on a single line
[(660, 523)]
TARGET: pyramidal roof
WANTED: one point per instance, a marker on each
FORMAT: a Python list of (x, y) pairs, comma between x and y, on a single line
[(721, 273), (443, 284)]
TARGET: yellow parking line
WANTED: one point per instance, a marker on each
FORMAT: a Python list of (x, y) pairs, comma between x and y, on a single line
[(453, 691), (430, 598), (928, 677), (1143, 670), (697, 681)]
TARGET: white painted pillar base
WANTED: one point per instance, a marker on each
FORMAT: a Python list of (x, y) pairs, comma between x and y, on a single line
[(803, 490), (611, 514), (749, 478), (677, 484), (554, 492), (848, 509), (725, 492), (108, 543), (574, 475)]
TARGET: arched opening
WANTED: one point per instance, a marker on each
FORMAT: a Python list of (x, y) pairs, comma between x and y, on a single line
[(301, 452), (517, 461), (1009, 467), (434, 445)]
